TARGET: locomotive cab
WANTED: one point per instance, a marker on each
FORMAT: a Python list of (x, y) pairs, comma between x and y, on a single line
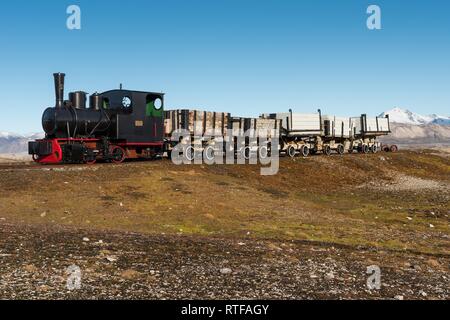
[(138, 115)]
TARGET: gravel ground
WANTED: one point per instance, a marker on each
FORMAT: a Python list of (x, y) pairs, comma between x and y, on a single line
[(118, 265), (402, 182)]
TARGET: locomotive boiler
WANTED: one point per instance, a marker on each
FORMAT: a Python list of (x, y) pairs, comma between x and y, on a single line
[(117, 124)]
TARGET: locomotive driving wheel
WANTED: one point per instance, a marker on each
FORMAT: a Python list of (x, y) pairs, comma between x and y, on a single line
[(90, 159), (117, 154)]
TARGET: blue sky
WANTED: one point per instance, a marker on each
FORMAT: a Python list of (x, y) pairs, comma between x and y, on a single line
[(242, 56)]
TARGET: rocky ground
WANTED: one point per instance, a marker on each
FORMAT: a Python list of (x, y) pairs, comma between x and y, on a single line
[(154, 230), (114, 265)]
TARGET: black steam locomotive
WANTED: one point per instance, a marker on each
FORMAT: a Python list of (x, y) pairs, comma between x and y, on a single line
[(118, 124)]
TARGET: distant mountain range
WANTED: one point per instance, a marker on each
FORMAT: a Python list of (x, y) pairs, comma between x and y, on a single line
[(16, 143), (399, 115)]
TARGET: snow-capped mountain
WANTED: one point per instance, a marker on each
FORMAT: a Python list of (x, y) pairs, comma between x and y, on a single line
[(16, 143), (443, 121), (411, 128), (8, 135), (399, 115)]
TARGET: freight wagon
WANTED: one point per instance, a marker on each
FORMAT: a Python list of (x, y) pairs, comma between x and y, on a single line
[(304, 133), (299, 132), (195, 131), (209, 132), (365, 130)]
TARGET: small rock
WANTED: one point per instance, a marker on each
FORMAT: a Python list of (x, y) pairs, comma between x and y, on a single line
[(431, 226), (433, 263), (121, 204), (398, 297), (130, 274), (241, 243), (30, 268), (111, 258), (225, 271), (329, 276), (43, 214), (86, 239), (333, 292), (423, 293), (44, 288), (409, 218)]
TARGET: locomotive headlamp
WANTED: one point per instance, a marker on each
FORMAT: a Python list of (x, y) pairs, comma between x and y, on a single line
[(158, 103), (126, 102)]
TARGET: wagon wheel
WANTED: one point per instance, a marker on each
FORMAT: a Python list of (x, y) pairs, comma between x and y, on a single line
[(117, 154), (246, 153), (189, 153), (327, 150), (263, 152), (374, 149), (35, 157), (394, 148), (209, 153), (365, 148), (340, 149), (304, 150), (291, 151)]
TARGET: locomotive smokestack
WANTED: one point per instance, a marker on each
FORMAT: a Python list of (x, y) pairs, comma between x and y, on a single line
[(59, 89)]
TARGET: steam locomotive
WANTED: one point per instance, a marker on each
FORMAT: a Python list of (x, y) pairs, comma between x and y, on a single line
[(124, 124), (118, 124)]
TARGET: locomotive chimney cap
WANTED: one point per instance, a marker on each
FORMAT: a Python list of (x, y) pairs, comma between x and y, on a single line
[(59, 89)]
